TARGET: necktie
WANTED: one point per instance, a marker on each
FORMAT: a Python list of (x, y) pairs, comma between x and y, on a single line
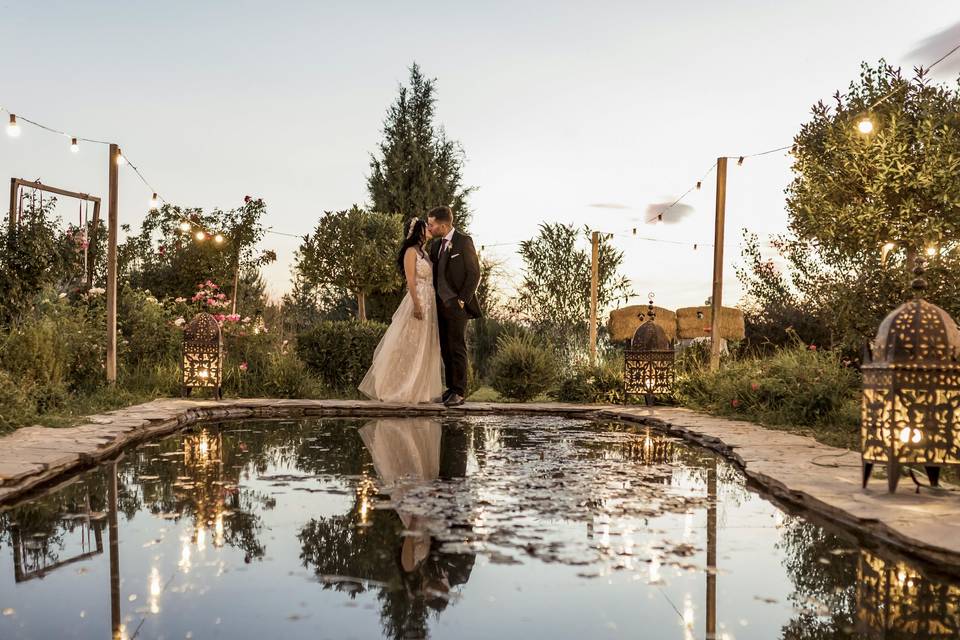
[(443, 245)]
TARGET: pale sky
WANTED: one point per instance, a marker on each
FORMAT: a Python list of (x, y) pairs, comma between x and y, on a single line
[(558, 105)]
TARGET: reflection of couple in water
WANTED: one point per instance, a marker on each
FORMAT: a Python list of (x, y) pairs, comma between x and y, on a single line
[(406, 453)]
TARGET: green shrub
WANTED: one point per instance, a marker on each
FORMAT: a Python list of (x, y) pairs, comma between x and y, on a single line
[(16, 406), (340, 352), (795, 386), (522, 368), (602, 382)]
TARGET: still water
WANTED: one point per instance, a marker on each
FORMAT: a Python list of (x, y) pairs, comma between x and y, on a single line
[(478, 527)]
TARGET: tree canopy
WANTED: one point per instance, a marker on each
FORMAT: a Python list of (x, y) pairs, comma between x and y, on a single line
[(354, 250), (416, 166)]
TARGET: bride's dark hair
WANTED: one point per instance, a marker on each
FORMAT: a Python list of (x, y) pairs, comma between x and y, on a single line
[(416, 232)]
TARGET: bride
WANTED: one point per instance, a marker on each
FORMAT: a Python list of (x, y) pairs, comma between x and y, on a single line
[(406, 363)]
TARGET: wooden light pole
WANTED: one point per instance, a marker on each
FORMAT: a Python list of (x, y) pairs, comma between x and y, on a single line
[(112, 205), (594, 282), (718, 264)]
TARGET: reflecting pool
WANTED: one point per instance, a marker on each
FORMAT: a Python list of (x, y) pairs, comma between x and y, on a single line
[(479, 527)]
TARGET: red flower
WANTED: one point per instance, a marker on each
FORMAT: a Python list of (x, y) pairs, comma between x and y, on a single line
[(754, 386), (734, 403), (813, 347)]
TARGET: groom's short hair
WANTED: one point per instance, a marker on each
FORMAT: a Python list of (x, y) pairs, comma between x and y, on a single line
[(442, 213)]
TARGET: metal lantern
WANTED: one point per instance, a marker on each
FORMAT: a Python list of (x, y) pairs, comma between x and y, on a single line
[(911, 391), (648, 361), (896, 600), (202, 362)]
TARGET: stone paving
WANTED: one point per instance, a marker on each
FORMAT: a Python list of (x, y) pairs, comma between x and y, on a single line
[(795, 469)]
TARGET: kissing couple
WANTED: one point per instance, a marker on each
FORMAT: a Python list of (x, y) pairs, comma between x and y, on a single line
[(429, 327)]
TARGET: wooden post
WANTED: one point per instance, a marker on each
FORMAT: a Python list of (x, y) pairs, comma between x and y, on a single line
[(13, 206), (712, 549), (115, 621), (718, 264), (113, 187), (361, 306), (594, 282)]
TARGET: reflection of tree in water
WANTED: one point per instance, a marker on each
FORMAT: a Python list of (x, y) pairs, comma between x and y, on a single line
[(45, 525), (824, 592)]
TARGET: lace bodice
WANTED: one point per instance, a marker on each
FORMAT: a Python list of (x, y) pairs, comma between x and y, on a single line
[(424, 269)]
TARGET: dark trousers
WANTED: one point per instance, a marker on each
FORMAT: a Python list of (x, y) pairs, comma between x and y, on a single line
[(453, 345)]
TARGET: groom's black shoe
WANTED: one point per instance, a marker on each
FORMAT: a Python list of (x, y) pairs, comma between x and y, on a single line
[(454, 400), (446, 396)]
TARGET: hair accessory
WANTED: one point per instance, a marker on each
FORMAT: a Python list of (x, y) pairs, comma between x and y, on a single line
[(411, 227)]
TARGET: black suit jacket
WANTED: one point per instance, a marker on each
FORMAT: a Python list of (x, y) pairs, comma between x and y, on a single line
[(463, 270)]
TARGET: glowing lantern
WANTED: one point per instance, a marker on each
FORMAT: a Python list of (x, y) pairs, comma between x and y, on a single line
[(648, 361), (202, 362)]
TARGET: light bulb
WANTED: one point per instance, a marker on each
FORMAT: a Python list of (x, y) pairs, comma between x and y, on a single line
[(185, 226), (740, 161), (905, 434), (218, 238), (932, 250), (74, 145), (916, 436), (889, 247), (120, 159), (200, 236), (13, 129), (865, 126), (154, 202)]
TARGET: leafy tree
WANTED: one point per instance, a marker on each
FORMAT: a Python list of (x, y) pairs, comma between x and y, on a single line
[(352, 250), (38, 254), (861, 208), (854, 192), (417, 167), (170, 261), (554, 296)]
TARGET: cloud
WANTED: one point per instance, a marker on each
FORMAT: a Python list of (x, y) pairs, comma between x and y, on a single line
[(608, 205), (675, 214), (933, 47)]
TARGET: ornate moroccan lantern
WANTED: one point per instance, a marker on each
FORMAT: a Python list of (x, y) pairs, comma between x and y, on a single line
[(911, 391), (202, 362), (895, 600), (648, 361)]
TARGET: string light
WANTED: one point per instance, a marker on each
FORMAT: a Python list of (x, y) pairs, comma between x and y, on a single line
[(154, 202), (185, 226), (200, 236), (932, 250), (218, 238), (740, 161), (120, 159), (74, 145), (699, 184), (865, 125), (13, 129)]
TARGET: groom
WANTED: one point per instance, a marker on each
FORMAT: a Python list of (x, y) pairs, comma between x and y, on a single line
[(456, 274)]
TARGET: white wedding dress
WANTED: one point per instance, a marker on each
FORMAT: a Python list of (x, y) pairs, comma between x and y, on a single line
[(406, 364)]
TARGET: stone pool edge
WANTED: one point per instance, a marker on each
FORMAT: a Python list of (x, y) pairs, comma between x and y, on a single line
[(795, 469)]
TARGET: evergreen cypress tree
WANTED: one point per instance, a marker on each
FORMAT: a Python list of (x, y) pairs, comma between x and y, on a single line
[(417, 167)]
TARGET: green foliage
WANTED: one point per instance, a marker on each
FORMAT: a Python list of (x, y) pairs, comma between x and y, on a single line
[(554, 297), (522, 368), (353, 250), (164, 259), (16, 406), (602, 382), (38, 256), (797, 386), (851, 195), (417, 167), (340, 352)]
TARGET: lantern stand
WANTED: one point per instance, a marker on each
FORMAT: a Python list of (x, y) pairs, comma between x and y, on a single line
[(648, 361), (202, 361), (911, 390)]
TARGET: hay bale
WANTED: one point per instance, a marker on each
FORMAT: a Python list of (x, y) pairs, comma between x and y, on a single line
[(623, 322), (689, 326)]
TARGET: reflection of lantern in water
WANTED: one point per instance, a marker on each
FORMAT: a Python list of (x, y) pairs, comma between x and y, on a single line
[(154, 591), (202, 362), (648, 361), (896, 600), (911, 391), (365, 489)]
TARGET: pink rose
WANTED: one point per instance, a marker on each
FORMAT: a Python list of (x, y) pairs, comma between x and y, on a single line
[(233, 317), (734, 403), (813, 347), (754, 386), (243, 366), (219, 317)]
